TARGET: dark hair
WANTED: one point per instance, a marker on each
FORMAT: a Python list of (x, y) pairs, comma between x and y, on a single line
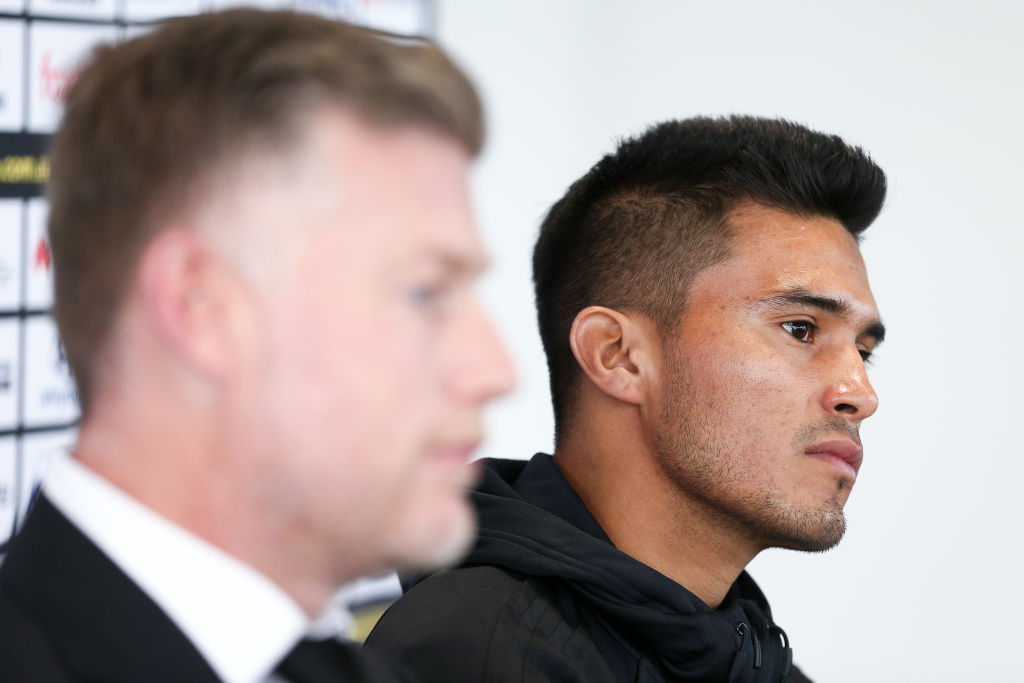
[(633, 233), (149, 120)]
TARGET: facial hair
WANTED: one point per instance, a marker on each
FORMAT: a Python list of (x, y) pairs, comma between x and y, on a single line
[(705, 466)]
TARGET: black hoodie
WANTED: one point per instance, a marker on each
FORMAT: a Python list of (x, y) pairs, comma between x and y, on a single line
[(545, 596)]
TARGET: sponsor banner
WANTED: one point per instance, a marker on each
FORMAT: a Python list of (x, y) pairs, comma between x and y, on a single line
[(36, 452), (57, 52), (407, 17), (37, 259), (9, 356), (371, 590), (333, 9), (73, 9), (151, 10), (24, 164), (264, 4), (134, 31), (12, 55), (49, 391), (11, 219), (8, 487)]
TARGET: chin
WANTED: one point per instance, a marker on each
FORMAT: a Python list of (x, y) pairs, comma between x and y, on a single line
[(427, 548), (809, 530)]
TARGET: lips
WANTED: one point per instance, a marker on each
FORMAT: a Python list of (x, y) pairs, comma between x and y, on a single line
[(844, 454), (455, 450), (457, 456)]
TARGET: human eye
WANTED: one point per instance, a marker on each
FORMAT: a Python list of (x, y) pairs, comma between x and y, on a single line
[(865, 356), (433, 296), (802, 330), (425, 294)]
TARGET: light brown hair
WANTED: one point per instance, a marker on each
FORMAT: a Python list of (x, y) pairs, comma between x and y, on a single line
[(149, 119)]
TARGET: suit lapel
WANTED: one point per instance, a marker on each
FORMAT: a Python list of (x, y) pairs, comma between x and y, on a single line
[(97, 619)]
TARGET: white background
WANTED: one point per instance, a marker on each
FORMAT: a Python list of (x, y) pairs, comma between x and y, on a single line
[(924, 588)]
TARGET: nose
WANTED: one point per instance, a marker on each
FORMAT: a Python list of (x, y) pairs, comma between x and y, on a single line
[(850, 394), (481, 369)]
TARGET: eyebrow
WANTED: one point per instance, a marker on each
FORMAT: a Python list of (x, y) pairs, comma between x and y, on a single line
[(837, 307), (455, 263)]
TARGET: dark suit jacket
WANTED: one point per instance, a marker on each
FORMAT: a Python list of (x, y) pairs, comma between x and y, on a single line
[(67, 613)]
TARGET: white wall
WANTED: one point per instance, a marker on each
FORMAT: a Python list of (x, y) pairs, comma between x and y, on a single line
[(924, 586)]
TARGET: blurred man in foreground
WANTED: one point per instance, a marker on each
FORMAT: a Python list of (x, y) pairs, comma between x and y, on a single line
[(706, 317), (264, 257)]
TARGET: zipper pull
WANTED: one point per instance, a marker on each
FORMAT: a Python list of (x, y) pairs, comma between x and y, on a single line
[(739, 660)]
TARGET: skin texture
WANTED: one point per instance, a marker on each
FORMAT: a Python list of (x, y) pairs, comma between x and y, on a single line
[(299, 371), (717, 420)]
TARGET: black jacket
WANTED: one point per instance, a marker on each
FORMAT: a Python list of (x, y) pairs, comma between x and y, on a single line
[(68, 613), (545, 596)]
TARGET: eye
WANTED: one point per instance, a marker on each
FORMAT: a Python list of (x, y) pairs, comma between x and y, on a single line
[(865, 356), (431, 298), (425, 295), (801, 330)]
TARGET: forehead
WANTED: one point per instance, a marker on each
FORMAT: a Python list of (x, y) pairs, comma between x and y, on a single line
[(776, 251), (406, 187)]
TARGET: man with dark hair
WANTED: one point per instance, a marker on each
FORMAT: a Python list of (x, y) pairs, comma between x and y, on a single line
[(706, 316), (264, 258)]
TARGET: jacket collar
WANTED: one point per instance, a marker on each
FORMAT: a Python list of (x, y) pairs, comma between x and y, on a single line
[(97, 619)]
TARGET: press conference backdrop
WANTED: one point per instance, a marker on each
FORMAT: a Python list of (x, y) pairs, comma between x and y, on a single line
[(42, 45)]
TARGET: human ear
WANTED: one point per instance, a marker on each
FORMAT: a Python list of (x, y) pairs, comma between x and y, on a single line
[(610, 348), (194, 303)]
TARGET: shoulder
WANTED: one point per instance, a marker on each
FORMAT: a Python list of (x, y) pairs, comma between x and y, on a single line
[(486, 623), (442, 628), (25, 651)]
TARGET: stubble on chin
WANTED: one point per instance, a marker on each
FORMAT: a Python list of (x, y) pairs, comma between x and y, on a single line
[(810, 530), (704, 470)]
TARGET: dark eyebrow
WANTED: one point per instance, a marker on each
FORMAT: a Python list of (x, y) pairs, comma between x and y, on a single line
[(876, 330), (828, 304)]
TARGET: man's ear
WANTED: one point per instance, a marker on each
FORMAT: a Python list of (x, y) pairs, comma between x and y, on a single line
[(195, 303), (612, 349)]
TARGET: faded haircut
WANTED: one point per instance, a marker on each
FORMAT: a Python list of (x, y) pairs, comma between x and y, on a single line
[(634, 232)]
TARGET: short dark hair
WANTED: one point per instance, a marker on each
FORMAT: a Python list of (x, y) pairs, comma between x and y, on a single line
[(148, 120), (634, 232)]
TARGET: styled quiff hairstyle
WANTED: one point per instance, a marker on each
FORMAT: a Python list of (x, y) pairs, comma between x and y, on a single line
[(149, 121), (634, 232)]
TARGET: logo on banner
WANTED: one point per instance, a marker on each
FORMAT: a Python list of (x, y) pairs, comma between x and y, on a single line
[(62, 360), (61, 394), (56, 78), (23, 169), (42, 258)]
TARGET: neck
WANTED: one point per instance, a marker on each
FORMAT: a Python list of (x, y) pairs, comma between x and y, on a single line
[(185, 475), (617, 474)]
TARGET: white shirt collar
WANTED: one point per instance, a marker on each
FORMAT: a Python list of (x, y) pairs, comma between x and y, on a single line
[(240, 621)]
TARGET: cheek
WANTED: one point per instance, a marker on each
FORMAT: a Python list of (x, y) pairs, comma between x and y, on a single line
[(744, 377), (747, 396)]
